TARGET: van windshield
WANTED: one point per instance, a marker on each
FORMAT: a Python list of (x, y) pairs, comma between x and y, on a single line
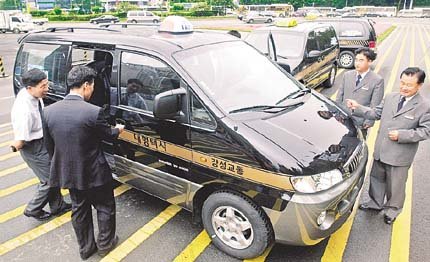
[(236, 76)]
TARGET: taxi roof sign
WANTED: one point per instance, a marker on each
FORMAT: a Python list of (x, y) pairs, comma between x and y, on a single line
[(286, 22), (176, 24)]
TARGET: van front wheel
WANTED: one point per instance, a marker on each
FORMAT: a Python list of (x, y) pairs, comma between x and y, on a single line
[(346, 59), (236, 225)]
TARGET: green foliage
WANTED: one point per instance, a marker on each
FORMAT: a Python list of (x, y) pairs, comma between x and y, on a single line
[(57, 10), (125, 7), (177, 7), (96, 9), (38, 13)]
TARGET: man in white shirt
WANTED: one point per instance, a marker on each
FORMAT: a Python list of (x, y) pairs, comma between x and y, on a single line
[(28, 132)]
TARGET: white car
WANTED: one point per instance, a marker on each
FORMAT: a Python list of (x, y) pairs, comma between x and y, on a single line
[(142, 17), (255, 17)]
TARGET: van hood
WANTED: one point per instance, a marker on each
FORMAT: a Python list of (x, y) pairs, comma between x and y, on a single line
[(314, 137)]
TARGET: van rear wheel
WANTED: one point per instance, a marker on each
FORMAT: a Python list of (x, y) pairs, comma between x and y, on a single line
[(16, 31), (346, 59), (236, 225), (329, 82)]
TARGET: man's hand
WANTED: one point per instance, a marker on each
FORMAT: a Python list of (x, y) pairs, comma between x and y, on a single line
[(352, 104), (393, 135), (366, 126), (18, 144), (120, 127)]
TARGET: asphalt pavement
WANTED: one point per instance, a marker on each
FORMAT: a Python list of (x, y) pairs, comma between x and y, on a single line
[(153, 230)]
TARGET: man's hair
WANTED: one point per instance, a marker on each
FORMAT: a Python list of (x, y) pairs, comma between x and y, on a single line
[(367, 52), (134, 81), (79, 75), (33, 77), (234, 33), (415, 71)]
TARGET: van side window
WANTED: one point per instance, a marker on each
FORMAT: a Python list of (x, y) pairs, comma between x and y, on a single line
[(351, 29), (324, 39), (52, 59), (199, 115), (142, 78), (81, 56), (15, 19), (312, 42)]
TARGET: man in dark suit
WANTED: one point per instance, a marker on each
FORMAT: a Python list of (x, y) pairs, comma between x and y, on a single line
[(362, 85), (405, 121), (74, 130)]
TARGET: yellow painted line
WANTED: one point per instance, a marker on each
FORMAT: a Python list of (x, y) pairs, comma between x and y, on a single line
[(6, 124), (333, 97), (20, 186), (338, 240), (45, 228), (12, 170), (386, 53), (400, 236), (195, 248), (261, 258), (6, 133), (7, 143), (19, 210), (7, 156), (425, 48), (142, 234)]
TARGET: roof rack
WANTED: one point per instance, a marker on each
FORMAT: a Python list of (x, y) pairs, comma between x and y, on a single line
[(72, 29), (126, 25)]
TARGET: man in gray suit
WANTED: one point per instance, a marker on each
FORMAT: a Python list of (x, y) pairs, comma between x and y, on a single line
[(362, 85), (405, 121)]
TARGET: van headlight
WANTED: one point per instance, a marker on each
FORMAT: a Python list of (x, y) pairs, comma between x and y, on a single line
[(316, 183)]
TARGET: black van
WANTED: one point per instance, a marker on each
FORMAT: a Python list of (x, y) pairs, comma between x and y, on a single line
[(213, 126), (353, 33), (309, 50)]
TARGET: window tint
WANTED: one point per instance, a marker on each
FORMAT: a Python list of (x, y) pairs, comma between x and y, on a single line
[(15, 19), (200, 116), (81, 56), (258, 40), (149, 14), (324, 38), (142, 78), (312, 42), (351, 29), (141, 14), (132, 14), (52, 59), (288, 44)]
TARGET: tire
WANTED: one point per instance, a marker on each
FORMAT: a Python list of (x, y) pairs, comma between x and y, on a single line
[(155, 21), (134, 21), (269, 21), (346, 59), (16, 31), (224, 211), (282, 15), (331, 77)]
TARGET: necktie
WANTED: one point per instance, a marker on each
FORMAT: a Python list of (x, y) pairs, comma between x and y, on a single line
[(40, 109), (357, 82), (401, 102)]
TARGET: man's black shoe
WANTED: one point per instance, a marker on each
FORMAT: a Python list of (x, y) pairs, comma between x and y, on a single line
[(64, 208), (366, 206), (89, 254), (40, 216), (105, 251), (389, 220)]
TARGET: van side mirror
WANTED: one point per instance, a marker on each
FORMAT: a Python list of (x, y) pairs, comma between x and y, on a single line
[(314, 53), (168, 105), (286, 67)]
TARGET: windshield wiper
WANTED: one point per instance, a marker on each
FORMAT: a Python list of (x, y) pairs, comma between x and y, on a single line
[(263, 108), (294, 95)]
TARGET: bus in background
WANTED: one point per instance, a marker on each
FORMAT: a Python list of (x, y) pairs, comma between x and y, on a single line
[(320, 10), (376, 11), (416, 12), (276, 10)]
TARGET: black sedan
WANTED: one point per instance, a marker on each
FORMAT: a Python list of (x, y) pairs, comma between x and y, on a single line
[(104, 19)]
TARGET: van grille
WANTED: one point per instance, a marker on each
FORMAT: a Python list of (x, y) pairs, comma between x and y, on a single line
[(355, 159)]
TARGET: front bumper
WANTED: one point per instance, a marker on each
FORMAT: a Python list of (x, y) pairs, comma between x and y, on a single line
[(297, 223)]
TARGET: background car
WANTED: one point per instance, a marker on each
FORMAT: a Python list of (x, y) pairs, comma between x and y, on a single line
[(142, 17), (351, 15), (105, 19), (256, 17)]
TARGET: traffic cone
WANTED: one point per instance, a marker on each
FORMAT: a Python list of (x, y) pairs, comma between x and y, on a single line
[(2, 71)]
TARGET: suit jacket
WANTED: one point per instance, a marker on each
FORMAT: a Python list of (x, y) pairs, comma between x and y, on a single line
[(412, 122), (73, 131), (369, 92)]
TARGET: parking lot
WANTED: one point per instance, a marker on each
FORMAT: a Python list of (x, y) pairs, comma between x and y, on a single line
[(153, 230)]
